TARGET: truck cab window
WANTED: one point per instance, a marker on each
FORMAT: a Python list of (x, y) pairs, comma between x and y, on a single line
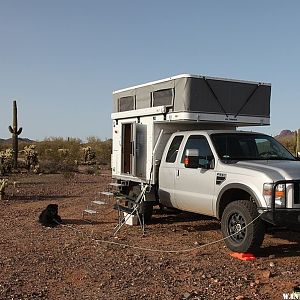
[(173, 150), (198, 142), (249, 146)]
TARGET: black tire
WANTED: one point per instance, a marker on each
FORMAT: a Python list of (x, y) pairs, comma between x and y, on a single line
[(237, 215), (146, 210)]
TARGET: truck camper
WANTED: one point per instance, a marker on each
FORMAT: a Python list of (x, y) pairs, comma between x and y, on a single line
[(179, 137)]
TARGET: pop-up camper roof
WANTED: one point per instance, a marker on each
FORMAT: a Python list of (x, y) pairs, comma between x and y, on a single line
[(186, 97)]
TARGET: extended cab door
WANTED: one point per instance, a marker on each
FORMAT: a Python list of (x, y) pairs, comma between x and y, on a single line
[(167, 171), (194, 187)]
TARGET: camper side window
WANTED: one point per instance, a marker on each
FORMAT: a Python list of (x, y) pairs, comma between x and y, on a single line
[(126, 103), (163, 97), (173, 150)]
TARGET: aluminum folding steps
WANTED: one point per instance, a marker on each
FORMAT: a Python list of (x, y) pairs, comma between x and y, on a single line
[(93, 207), (125, 208)]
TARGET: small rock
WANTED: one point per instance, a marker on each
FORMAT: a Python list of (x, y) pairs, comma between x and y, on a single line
[(186, 295), (196, 243), (272, 256), (239, 297), (286, 273), (272, 265), (266, 274)]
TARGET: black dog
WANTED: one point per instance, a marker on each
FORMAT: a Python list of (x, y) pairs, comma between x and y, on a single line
[(49, 216)]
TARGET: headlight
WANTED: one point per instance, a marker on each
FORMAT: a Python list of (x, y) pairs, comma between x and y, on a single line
[(280, 198)]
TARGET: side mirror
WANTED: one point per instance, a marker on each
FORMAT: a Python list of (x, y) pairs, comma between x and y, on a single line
[(204, 163), (191, 158)]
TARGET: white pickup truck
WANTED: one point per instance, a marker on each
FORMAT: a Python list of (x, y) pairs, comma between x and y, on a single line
[(180, 137), (233, 176)]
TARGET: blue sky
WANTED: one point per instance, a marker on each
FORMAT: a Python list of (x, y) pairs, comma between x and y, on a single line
[(61, 59)]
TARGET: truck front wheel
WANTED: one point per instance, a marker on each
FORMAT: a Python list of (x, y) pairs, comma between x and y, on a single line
[(236, 216)]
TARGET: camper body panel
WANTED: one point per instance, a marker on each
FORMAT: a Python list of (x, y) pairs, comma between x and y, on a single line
[(185, 102), (152, 132)]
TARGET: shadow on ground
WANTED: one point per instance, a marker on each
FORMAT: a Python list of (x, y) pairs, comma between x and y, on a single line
[(32, 198), (83, 222), (283, 250)]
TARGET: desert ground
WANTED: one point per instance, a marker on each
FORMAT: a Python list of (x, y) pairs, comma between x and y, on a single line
[(83, 260)]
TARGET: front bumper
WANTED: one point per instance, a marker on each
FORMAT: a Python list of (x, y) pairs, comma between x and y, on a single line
[(284, 216)]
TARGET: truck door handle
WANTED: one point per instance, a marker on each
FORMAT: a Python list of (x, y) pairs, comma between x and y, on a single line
[(177, 173)]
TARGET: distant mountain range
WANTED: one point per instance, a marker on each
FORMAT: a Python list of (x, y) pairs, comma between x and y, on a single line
[(9, 141), (285, 133)]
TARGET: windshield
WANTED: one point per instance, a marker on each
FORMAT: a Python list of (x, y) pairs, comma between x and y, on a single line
[(249, 146)]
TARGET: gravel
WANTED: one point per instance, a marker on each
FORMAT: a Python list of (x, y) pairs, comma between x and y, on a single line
[(75, 261)]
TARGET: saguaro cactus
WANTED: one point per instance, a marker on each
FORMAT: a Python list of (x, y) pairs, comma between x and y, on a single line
[(15, 132)]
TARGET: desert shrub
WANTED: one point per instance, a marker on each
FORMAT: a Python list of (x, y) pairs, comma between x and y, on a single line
[(54, 166), (56, 154), (93, 170), (49, 148), (101, 148), (59, 155), (68, 175), (48, 167), (23, 144)]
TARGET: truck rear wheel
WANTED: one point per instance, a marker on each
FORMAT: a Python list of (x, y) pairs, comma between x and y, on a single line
[(147, 210), (236, 216)]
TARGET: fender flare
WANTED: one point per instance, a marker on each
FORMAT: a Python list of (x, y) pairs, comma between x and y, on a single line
[(239, 186)]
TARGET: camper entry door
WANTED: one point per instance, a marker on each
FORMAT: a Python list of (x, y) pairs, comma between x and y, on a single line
[(134, 149)]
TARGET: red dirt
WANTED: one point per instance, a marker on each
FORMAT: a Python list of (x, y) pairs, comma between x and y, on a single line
[(75, 262)]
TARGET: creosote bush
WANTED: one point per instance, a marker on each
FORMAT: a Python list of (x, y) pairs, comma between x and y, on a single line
[(65, 155), (58, 155)]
